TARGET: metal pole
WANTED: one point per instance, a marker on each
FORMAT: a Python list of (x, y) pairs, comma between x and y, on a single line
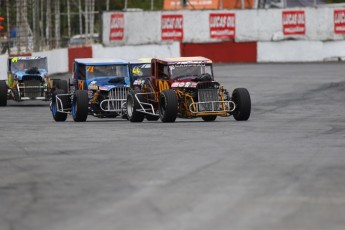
[(107, 5), (221, 4), (152, 5), (36, 28), (126, 4), (69, 18), (242, 3)]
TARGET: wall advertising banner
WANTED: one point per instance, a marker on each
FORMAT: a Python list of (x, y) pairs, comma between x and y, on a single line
[(339, 21), (117, 27), (172, 27), (222, 25), (293, 22)]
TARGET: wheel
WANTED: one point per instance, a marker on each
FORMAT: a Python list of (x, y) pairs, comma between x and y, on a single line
[(133, 105), (3, 93), (80, 106), (168, 106), (64, 99), (241, 98), (151, 117), (209, 117), (62, 84)]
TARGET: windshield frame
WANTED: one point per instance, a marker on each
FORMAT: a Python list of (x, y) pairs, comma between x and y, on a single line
[(91, 68), (188, 70)]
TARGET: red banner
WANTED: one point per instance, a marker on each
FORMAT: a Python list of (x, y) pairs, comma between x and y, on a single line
[(172, 27), (339, 21), (293, 22), (222, 25), (117, 27)]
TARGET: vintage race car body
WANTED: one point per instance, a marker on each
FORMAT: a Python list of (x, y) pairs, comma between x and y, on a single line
[(27, 80), (100, 88), (185, 87)]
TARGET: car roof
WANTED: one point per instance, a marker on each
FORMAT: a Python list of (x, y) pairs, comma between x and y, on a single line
[(184, 60), (140, 61), (100, 61), (27, 57)]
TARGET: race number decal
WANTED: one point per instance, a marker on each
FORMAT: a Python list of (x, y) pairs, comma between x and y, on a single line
[(80, 85), (162, 85), (90, 69)]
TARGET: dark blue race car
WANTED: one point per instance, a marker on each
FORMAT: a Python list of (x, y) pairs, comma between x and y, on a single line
[(100, 88)]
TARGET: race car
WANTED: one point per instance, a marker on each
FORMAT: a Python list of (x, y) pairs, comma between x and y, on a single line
[(100, 88), (27, 79), (140, 75), (185, 87)]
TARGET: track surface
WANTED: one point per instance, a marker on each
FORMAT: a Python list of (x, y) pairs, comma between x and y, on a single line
[(283, 169)]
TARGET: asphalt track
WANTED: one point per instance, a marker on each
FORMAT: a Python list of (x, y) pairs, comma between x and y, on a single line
[(282, 169)]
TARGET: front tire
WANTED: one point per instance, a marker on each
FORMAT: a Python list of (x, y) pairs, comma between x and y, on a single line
[(133, 105), (80, 106), (64, 99), (3, 93), (241, 98), (168, 106), (209, 118)]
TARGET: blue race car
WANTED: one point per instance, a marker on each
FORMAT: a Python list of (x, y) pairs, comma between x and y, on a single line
[(100, 88), (28, 80)]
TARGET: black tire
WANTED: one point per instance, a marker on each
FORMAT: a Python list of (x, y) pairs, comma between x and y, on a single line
[(168, 106), (64, 99), (151, 117), (3, 93), (62, 84), (132, 106), (80, 106), (209, 117), (241, 98)]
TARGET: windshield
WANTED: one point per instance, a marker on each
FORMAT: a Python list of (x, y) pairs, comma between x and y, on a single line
[(107, 71), (21, 64), (180, 71), (141, 70)]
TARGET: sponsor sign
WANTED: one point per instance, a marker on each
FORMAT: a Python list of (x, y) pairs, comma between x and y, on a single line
[(222, 25), (339, 21), (117, 27), (172, 27), (293, 22)]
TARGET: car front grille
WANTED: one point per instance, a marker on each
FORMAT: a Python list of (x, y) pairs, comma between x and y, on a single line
[(32, 89), (208, 95), (116, 99)]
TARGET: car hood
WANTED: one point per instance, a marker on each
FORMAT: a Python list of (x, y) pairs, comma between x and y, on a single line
[(107, 83), (21, 73)]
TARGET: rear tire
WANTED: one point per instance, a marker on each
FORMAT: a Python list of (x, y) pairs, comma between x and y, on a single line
[(168, 106), (80, 106), (133, 105), (3, 93), (209, 117), (64, 99), (241, 98), (62, 84)]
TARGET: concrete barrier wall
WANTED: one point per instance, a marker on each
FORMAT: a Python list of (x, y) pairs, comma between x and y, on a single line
[(171, 49), (250, 25), (3, 67), (57, 60), (300, 51)]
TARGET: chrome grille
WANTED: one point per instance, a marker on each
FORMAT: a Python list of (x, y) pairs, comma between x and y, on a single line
[(116, 99), (31, 89), (208, 95)]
